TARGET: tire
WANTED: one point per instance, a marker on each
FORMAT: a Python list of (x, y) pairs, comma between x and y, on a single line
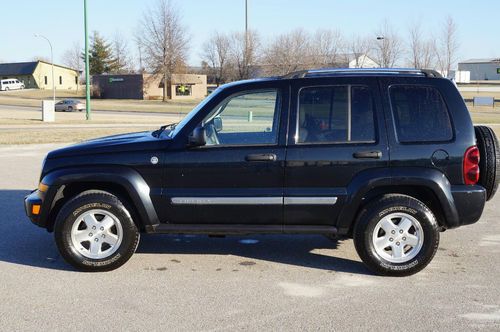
[(70, 109), (489, 162), (112, 235), (381, 220), (6, 89)]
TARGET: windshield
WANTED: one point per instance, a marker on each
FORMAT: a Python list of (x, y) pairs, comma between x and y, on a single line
[(191, 114)]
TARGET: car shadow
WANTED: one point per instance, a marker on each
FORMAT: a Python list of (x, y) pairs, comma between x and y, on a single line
[(298, 250), (23, 243)]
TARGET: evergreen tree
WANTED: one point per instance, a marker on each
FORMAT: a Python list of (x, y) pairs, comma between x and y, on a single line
[(101, 58)]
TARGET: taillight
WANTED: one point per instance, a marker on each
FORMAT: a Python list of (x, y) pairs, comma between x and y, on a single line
[(471, 165)]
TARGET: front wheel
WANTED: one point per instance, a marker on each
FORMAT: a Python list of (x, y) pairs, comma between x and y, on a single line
[(396, 235), (94, 232)]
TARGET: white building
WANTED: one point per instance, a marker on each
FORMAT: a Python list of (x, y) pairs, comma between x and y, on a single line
[(357, 60), (482, 69)]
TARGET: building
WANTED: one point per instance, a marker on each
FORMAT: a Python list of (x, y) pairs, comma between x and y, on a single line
[(356, 60), (38, 75), (482, 69), (147, 86)]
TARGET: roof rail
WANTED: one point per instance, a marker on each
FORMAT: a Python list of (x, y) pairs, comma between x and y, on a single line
[(339, 71)]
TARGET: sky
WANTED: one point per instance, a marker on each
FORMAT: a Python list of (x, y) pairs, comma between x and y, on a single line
[(62, 21)]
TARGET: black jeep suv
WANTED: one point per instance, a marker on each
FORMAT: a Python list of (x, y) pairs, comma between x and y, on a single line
[(388, 157)]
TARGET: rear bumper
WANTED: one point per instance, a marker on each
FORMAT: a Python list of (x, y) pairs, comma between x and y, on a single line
[(469, 203), (35, 198)]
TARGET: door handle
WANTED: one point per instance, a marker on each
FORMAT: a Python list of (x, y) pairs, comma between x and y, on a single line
[(261, 157), (367, 155)]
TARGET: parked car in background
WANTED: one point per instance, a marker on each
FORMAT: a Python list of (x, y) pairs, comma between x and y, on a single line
[(70, 105), (11, 84)]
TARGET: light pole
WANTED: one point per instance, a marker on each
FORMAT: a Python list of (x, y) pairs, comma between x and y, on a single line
[(246, 39), (382, 49), (87, 65), (52, 63)]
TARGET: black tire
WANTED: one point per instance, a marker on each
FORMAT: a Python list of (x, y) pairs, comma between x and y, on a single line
[(374, 212), (489, 162), (74, 209), (70, 108)]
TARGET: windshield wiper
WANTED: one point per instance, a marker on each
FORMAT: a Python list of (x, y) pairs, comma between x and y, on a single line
[(158, 132)]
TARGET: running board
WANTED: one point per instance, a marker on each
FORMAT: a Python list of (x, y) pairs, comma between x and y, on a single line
[(221, 229)]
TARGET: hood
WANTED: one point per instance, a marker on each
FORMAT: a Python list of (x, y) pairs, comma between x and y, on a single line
[(109, 144)]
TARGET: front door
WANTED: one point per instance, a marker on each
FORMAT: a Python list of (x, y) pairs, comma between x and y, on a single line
[(335, 137), (238, 176)]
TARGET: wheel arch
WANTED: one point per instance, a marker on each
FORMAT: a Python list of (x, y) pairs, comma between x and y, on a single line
[(430, 186), (122, 182)]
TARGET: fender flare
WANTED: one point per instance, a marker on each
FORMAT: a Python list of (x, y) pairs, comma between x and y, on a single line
[(128, 179), (373, 179)]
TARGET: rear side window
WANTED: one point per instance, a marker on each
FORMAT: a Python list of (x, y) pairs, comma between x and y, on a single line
[(420, 114), (336, 114)]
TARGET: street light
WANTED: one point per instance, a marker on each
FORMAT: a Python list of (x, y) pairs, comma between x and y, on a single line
[(52, 63), (382, 50), (87, 65)]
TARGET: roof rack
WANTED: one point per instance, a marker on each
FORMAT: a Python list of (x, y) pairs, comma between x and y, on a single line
[(372, 71)]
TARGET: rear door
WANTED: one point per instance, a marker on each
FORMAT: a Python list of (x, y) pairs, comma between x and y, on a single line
[(334, 136)]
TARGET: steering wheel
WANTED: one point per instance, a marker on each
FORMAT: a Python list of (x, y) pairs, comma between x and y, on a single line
[(211, 133)]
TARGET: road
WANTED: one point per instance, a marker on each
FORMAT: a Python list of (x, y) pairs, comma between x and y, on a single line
[(286, 283)]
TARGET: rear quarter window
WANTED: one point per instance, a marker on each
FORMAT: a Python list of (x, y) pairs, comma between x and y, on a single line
[(420, 114)]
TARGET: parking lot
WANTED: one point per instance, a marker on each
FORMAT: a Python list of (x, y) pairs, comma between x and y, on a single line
[(237, 283)]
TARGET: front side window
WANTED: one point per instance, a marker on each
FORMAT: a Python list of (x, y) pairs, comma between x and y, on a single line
[(420, 114), (250, 118), (336, 114)]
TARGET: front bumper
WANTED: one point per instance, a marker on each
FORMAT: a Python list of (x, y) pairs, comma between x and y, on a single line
[(35, 198)]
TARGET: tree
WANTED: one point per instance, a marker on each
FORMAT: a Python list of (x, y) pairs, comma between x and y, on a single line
[(421, 51), (389, 47), (216, 54), (72, 57), (244, 51), (289, 52), (163, 40), (121, 54), (326, 48), (101, 58), (360, 47), (448, 46)]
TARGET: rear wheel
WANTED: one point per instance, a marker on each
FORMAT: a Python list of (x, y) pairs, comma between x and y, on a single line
[(95, 232), (70, 108), (489, 162), (396, 235)]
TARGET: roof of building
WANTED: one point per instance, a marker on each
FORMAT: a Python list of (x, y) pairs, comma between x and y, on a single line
[(488, 60), (20, 68), (23, 68)]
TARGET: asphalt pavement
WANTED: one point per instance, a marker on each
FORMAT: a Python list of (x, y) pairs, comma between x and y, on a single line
[(275, 283)]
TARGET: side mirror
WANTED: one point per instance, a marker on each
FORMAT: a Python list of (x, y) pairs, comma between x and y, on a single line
[(218, 123), (197, 137)]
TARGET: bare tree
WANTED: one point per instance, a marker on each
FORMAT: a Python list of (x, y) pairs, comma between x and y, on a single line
[(121, 53), (389, 47), (41, 58), (73, 57), (163, 40), (421, 50), (326, 47), (448, 46), (244, 51), (288, 52), (359, 47), (216, 53)]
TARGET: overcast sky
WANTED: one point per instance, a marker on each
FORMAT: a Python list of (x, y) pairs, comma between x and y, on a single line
[(62, 21)]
